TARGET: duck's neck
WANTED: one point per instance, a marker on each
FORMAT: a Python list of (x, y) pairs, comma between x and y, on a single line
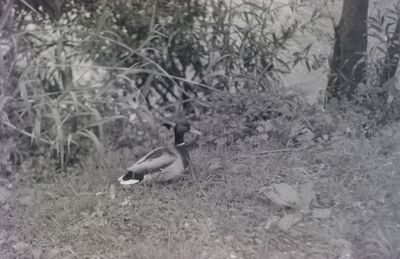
[(182, 149), (179, 139)]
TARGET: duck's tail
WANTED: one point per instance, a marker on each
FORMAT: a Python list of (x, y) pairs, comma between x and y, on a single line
[(129, 178)]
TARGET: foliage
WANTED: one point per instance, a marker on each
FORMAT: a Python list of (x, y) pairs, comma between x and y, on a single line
[(87, 64), (376, 96), (382, 91), (278, 118), (312, 62)]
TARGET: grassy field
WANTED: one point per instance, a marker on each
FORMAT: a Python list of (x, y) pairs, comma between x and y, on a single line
[(219, 211)]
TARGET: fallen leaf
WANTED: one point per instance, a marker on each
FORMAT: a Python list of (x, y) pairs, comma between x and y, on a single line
[(380, 197), (283, 194), (21, 246), (278, 255), (268, 125), (321, 213), (220, 142), (305, 136), (264, 136), (36, 253), (306, 194), (4, 195), (53, 253), (341, 249), (112, 191), (26, 201), (3, 237), (6, 207), (214, 165), (13, 238), (235, 169), (295, 130), (289, 221)]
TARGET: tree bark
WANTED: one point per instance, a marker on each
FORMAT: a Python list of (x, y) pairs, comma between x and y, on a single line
[(347, 67)]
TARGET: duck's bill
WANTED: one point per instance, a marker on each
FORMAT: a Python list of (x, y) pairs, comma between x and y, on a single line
[(194, 131)]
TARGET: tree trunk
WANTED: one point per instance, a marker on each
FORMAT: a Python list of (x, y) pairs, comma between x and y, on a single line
[(347, 67)]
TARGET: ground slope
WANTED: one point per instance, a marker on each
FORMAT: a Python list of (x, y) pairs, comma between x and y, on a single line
[(221, 211)]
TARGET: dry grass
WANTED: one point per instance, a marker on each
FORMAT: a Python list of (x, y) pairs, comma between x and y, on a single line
[(220, 213)]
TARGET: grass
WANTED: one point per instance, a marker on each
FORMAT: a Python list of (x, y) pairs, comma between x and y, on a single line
[(220, 213)]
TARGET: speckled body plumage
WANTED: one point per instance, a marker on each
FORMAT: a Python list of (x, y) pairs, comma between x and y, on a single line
[(162, 164)]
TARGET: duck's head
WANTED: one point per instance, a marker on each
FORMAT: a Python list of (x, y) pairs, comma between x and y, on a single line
[(180, 129), (184, 127)]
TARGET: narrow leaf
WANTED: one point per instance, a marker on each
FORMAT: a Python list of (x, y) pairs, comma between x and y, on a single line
[(24, 95), (36, 128), (90, 135), (105, 120), (98, 117), (59, 133)]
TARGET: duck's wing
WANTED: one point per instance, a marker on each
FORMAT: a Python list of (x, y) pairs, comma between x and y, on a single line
[(157, 159)]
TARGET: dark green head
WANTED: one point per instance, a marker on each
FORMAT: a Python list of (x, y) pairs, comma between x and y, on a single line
[(181, 128)]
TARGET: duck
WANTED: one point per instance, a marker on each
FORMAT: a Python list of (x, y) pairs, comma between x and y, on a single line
[(164, 163)]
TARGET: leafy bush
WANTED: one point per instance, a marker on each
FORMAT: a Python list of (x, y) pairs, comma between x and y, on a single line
[(275, 117), (88, 65), (380, 94)]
